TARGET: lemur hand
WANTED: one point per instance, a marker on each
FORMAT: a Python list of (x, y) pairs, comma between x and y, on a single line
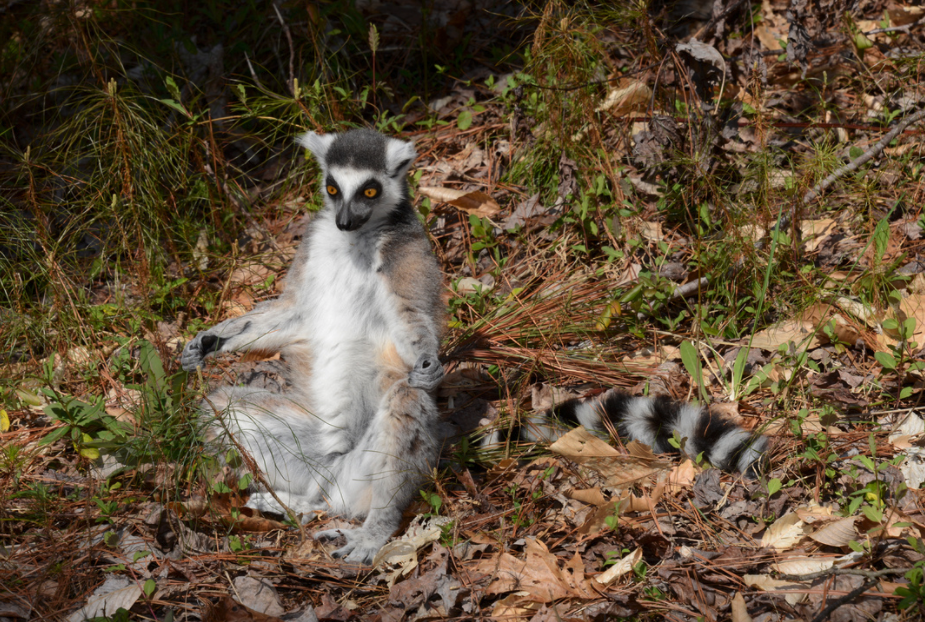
[(196, 350), (427, 373)]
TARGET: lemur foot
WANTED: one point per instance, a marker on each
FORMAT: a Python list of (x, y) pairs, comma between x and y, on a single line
[(196, 350), (427, 373), (264, 502), (361, 546)]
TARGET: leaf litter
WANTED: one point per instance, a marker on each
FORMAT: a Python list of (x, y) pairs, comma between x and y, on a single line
[(585, 530)]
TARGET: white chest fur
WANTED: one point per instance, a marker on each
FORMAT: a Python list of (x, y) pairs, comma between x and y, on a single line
[(343, 294)]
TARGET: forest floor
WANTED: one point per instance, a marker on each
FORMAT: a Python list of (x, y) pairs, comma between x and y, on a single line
[(724, 207)]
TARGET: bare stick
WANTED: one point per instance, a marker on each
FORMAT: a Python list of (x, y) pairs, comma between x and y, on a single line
[(847, 598), (689, 288), (906, 29), (253, 73), (874, 151), (870, 574), (282, 23)]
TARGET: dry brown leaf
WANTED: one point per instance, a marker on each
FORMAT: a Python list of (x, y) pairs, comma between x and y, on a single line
[(682, 476), (837, 533), (914, 307), (580, 445), (469, 285), (651, 231), (591, 496), (515, 606), (625, 565), (538, 575), (814, 232), (545, 396), (769, 584), (785, 533), (821, 314), (227, 610), (815, 513), (858, 310), (803, 565), (907, 427), (772, 28), (752, 232), (739, 610), (801, 334), (477, 203), (618, 470), (628, 96)]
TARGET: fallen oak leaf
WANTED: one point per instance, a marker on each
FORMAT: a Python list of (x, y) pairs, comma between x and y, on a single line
[(475, 202), (227, 610), (538, 576), (619, 471), (838, 533), (785, 532), (739, 610), (803, 565)]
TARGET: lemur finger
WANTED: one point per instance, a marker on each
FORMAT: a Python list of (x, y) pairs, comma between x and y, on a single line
[(361, 555), (329, 534), (210, 343), (191, 357), (427, 373)]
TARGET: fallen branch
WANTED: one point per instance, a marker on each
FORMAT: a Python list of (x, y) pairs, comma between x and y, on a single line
[(906, 29), (847, 598), (870, 574), (852, 166), (282, 23)]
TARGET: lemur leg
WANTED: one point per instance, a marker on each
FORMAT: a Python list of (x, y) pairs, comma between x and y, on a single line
[(391, 461), (277, 432), (269, 326)]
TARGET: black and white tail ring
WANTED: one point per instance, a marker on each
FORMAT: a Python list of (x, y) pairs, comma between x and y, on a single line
[(653, 421)]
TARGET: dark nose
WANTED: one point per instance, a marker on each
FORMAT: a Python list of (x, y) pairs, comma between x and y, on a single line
[(349, 218)]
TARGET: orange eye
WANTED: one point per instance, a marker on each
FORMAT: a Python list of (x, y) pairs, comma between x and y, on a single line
[(332, 190), (370, 192)]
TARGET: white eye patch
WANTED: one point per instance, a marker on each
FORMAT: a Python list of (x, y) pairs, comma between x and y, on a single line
[(349, 179)]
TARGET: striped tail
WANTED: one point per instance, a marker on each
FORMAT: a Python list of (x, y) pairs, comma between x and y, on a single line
[(653, 421)]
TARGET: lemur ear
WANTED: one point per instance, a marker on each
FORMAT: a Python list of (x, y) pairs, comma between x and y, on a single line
[(399, 156), (318, 144)]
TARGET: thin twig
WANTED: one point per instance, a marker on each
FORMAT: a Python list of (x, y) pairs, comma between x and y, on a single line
[(282, 23), (253, 73), (870, 574), (905, 29), (847, 598), (874, 151), (687, 289)]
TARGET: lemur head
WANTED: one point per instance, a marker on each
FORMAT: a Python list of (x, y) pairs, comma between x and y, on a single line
[(364, 173)]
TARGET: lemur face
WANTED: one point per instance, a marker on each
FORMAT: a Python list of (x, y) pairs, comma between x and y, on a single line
[(364, 174)]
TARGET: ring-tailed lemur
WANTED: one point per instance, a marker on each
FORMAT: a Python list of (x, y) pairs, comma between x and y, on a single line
[(360, 324)]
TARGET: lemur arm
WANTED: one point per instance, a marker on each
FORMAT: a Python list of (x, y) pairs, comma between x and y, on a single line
[(414, 282), (269, 326)]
